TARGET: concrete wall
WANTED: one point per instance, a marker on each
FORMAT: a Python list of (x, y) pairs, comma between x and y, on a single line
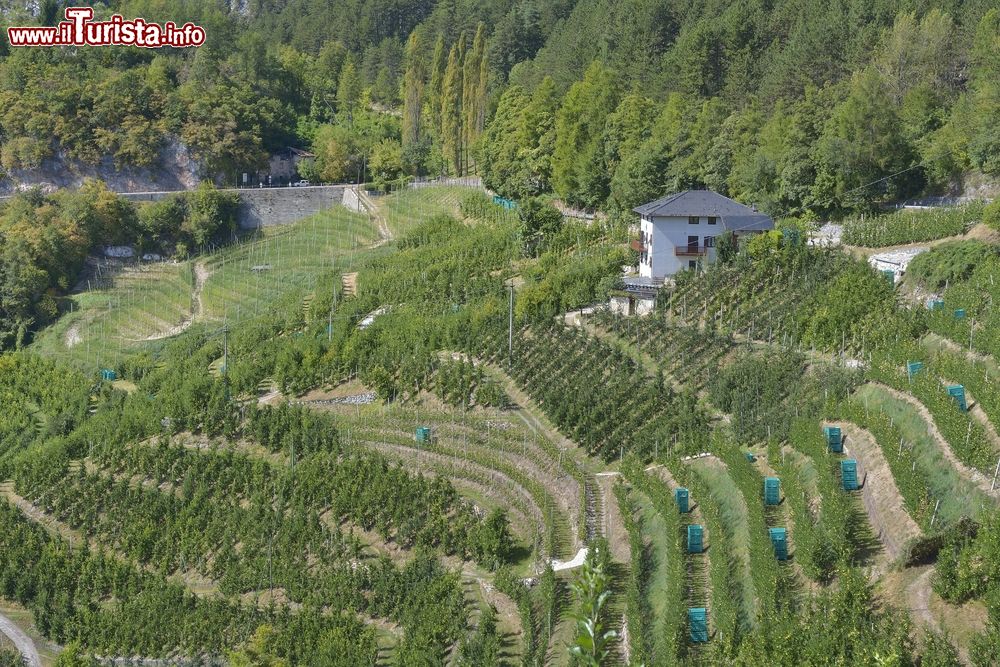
[(263, 207)]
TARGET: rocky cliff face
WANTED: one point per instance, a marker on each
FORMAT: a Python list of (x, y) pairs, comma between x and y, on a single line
[(174, 170)]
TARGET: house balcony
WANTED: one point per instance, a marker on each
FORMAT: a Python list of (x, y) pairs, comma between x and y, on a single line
[(691, 251)]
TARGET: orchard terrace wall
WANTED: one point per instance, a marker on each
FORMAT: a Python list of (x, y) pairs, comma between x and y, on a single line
[(263, 207)]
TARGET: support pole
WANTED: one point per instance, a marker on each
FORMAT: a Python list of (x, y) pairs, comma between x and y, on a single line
[(510, 328), (995, 472)]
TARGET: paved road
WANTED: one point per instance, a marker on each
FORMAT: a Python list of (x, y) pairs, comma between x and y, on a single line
[(21, 641)]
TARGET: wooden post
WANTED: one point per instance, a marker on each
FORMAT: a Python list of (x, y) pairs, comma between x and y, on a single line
[(936, 506), (995, 472)]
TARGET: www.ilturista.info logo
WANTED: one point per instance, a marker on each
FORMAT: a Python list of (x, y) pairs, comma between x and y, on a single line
[(80, 30)]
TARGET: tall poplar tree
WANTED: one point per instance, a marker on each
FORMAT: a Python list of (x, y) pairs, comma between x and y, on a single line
[(451, 108), (436, 85), (413, 90), (471, 102)]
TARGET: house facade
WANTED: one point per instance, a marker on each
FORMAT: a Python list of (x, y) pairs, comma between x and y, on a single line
[(678, 231)]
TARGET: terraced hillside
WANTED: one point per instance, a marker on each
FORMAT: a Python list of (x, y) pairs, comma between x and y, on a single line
[(380, 459)]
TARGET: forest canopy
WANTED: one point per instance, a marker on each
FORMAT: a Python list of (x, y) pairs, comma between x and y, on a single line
[(805, 108)]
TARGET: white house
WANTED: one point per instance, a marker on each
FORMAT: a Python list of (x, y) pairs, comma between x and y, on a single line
[(678, 231)]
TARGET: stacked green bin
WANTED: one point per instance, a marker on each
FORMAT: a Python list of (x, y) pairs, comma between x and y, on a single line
[(108, 374), (681, 498), (695, 543), (772, 491), (849, 474), (779, 540), (698, 624), (834, 439), (422, 434)]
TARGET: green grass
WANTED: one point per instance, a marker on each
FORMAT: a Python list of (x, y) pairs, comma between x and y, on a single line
[(655, 530), (406, 208), (296, 254), (958, 496), (148, 302), (733, 516), (140, 302)]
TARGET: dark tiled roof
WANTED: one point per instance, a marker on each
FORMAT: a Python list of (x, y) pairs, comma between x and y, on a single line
[(705, 203)]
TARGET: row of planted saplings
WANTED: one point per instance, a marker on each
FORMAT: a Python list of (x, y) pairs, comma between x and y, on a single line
[(698, 616)]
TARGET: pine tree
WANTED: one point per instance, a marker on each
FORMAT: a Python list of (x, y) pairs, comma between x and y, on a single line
[(451, 108), (349, 88), (413, 90)]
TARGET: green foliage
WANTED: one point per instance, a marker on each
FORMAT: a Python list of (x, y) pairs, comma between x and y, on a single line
[(752, 389), (72, 656), (10, 657), (968, 565), (949, 263), (911, 226), (258, 651), (386, 163), (857, 305), (991, 215), (598, 396), (482, 647), (591, 643), (578, 170), (538, 220)]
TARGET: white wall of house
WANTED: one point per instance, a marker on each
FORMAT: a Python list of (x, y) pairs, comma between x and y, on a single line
[(663, 235)]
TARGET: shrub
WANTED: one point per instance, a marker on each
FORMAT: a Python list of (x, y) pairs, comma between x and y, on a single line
[(991, 215), (949, 262)]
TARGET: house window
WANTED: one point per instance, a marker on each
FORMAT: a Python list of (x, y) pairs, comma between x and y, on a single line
[(692, 264), (693, 220), (709, 241), (712, 220)]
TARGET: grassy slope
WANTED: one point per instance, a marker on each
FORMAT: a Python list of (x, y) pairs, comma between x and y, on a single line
[(958, 497), (148, 302)]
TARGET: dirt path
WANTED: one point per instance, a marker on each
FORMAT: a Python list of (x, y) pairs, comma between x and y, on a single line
[(918, 599), (911, 590), (969, 474), (385, 234), (21, 641), (201, 276), (882, 500), (613, 525)]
